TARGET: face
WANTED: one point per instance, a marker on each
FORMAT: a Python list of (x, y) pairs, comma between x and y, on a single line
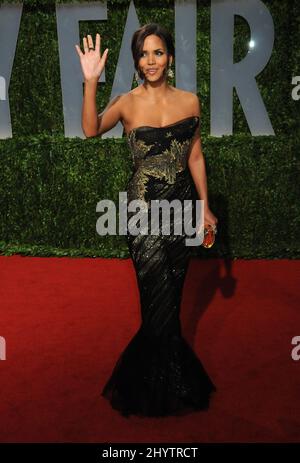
[(154, 56)]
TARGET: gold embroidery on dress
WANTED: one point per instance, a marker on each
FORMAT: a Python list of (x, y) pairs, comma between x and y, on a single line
[(164, 165), (138, 147)]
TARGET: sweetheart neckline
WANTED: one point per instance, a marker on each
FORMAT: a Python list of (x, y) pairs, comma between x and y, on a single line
[(162, 127)]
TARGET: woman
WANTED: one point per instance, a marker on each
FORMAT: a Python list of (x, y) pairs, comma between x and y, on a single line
[(158, 373)]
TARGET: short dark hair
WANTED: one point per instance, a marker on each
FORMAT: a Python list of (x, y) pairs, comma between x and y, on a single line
[(139, 36)]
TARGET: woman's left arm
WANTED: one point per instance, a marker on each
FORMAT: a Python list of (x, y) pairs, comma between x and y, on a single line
[(196, 164)]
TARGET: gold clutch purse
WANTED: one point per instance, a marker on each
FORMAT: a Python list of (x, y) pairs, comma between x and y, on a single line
[(209, 235)]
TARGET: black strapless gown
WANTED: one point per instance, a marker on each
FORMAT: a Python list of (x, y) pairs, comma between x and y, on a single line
[(158, 373)]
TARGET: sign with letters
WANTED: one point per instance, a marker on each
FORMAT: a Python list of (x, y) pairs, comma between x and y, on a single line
[(225, 74)]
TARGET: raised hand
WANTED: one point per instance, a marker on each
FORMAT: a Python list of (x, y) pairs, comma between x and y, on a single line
[(92, 63)]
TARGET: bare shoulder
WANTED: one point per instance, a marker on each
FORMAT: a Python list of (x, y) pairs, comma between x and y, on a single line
[(132, 93), (127, 99), (192, 99), (131, 103), (188, 100), (121, 102)]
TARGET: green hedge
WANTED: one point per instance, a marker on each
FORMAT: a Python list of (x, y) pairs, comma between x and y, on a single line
[(50, 184), (48, 205)]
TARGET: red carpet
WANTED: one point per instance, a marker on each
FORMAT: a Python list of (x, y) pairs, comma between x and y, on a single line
[(66, 320)]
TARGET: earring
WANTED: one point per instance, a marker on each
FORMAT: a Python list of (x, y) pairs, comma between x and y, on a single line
[(170, 73)]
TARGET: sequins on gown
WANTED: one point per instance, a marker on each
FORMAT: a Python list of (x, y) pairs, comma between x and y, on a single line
[(158, 373)]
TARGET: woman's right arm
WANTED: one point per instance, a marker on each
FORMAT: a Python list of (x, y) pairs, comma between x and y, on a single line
[(89, 119), (92, 65)]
